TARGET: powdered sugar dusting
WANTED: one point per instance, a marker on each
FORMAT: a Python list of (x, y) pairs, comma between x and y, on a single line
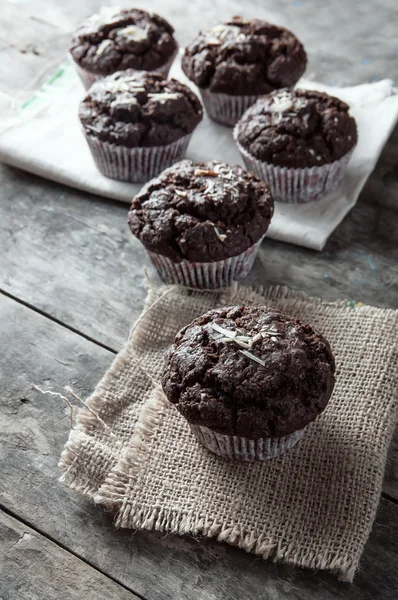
[(224, 174)]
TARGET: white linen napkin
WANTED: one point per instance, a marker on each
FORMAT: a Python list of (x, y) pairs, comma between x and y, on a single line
[(43, 136)]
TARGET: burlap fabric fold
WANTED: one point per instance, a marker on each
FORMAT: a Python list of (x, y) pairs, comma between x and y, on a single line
[(314, 507)]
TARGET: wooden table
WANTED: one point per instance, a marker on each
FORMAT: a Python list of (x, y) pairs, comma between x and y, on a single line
[(71, 287)]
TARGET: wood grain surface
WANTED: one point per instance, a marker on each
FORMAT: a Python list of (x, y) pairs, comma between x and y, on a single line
[(71, 275), (33, 429), (34, 568)]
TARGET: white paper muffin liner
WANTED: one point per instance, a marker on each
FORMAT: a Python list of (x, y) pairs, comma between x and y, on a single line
[(135, 165), (239, 448), (297, 185), (210, 275), (88, 78), (226, 109)]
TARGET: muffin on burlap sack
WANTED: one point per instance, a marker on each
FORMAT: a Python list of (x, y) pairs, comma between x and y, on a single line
[(249, 380), (202, 223)]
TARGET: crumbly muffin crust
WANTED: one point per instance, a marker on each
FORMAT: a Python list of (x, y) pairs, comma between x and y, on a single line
[(201, 211), (135, 108), (242, 57), (297, 128), (272, 380)]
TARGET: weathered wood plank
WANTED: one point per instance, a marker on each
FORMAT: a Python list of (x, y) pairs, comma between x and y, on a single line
[(89, 280), (89, 256), (73, 256), (88, 272), (34, 568), (75, 252), (338, 59), (30, 46), (33, 429)]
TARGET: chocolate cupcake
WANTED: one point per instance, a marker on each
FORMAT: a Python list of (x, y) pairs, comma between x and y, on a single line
[(117, 38), (137, 123), (249, 380), (236, 62), (298, 141), (202, 223)]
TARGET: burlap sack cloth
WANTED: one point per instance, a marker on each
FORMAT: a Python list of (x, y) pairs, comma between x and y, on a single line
[(314, 507)]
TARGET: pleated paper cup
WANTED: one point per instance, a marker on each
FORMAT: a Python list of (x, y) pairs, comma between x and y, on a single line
[(234, 447), (297, 185), (206, 275), (226, 109), (135, 165), (87, 78)]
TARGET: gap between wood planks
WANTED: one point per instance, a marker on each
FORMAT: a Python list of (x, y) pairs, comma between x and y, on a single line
[(390, 498), (15, 516), (384, 495), (57, 321)]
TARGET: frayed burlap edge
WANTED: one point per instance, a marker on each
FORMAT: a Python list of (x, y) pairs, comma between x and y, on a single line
[(114, 495), (86, 420), (114, 492)]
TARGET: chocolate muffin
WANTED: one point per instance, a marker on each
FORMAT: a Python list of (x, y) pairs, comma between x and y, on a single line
[(138, 123), (249, 379), (116, 39), (202, 223), (289, 131), (237, 61)]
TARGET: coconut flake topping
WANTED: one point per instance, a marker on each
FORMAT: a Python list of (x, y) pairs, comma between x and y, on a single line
[(132, 32)]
